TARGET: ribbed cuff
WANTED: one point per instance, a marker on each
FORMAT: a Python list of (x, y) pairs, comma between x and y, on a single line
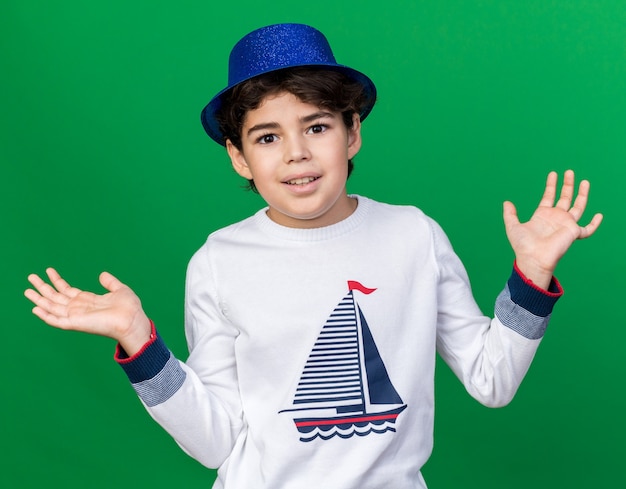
[(147, 362), (534, 299)]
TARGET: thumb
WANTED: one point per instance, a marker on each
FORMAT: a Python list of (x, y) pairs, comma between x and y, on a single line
[(509, 214), (110, 282)]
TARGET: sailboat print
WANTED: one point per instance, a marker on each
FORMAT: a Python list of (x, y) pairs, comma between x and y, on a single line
[(344, 383)]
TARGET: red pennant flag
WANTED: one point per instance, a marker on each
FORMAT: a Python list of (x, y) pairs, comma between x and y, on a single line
[(353, 285)]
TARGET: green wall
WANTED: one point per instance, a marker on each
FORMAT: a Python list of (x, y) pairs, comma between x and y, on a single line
[(104, 166)]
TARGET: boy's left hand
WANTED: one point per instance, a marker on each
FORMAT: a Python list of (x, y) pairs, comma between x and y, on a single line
[(540, 243)]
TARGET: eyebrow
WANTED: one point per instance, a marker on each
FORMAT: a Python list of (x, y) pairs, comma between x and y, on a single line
[(322, 114), (263, 126)]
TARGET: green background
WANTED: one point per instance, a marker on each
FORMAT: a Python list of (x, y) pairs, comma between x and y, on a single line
[(104, 166)]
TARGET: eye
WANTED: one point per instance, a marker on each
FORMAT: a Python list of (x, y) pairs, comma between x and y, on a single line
[(317, 129), (266, 139)]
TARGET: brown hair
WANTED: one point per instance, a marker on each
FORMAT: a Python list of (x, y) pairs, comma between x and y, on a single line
[(325, 88)]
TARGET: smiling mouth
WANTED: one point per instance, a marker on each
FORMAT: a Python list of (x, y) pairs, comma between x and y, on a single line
[(301, 181)]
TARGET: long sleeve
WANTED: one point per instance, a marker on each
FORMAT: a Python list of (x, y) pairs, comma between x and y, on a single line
[(197, 401), (490, 356)]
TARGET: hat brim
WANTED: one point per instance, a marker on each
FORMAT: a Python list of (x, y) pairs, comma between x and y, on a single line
[(208, 114)]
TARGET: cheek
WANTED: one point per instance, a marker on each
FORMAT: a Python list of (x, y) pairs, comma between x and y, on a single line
[(262, 174)]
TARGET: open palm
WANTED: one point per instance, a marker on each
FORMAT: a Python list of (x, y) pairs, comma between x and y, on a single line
[(116, 314), (540, 242)]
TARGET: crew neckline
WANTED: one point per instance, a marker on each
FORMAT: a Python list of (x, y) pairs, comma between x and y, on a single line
[(314, 234)]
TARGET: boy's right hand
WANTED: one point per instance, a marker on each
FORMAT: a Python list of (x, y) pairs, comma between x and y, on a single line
[(117, 314)]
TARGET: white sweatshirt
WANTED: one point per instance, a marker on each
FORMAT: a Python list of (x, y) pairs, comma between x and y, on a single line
[(312, 351)]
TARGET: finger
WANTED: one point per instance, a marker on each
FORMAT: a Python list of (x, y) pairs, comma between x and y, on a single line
[(46, 290), (31, 295), (592, 227), (45, 305), (549, 194), (61, 285), (509, 214), (110, 282), (580, 203), (51, 319), (567, 191)]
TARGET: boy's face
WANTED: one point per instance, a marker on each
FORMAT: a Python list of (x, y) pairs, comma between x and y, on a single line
[(297, 154)]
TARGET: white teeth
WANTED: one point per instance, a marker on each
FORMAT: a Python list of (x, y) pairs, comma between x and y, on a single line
[(301, 181)]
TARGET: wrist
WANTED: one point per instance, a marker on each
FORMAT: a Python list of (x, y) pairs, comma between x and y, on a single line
[(124, 356), (534, 273), (139, 334)]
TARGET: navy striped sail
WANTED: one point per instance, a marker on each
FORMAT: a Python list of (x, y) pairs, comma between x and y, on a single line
[(332, 375)]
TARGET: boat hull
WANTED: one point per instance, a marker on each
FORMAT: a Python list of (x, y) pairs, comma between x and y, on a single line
[(359, 424)]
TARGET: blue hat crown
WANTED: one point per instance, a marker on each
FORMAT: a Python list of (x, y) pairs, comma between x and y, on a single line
[(273, 48)]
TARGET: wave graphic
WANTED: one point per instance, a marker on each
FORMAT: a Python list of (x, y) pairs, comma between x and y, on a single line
[(328, 432)]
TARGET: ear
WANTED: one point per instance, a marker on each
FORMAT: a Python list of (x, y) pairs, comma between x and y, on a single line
[(238, 160), (354, 136)]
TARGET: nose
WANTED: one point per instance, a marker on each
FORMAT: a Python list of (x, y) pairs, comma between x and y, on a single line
[(296, 149)]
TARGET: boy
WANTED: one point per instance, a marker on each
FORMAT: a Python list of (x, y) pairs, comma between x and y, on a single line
[(313, 325)]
